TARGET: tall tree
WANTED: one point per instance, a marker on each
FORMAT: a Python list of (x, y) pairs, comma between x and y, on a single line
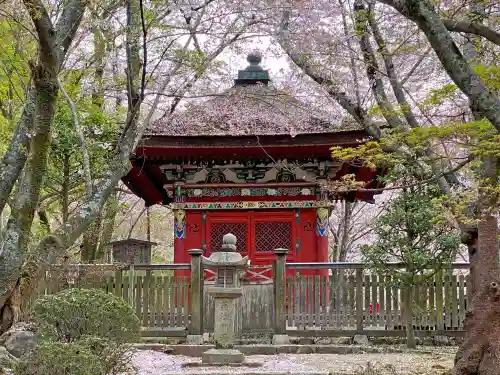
[(407, 233), (44, 74), (62, 33)]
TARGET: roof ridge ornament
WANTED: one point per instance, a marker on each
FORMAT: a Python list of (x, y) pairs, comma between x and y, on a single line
[(254, 58), (253, 73)]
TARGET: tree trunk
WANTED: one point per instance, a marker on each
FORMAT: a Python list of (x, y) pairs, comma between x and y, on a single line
[(44, 76), (65, 188), (411, 342), (344, 236), (10, 311), (483, 319), (148, 223), (352, 59), (90, 241), (108, 225), (17, 153), (90, 244), (38, 116), (479, 353)]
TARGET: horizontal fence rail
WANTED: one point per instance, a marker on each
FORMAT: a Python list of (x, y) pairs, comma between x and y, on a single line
[(300, 299), (354, 265)]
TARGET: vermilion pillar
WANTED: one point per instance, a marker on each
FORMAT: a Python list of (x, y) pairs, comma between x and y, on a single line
[(322, 228), (180, 253)]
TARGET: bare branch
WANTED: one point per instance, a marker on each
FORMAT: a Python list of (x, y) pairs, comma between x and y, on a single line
[(130, 232), (372, 68), (68, 24), (416, 65), (422, 12), (358, 113), (86, 158), (469, 27)]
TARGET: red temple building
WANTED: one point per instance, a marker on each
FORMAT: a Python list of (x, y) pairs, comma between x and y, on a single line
[(252, 161)]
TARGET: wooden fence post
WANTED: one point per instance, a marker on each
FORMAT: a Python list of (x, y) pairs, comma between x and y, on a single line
[(195, 336), (359, 299), (280, 337), (131, 287)]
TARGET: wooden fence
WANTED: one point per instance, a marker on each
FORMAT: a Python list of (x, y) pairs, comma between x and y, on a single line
[(159, 297), (346, 299), (352, 298)]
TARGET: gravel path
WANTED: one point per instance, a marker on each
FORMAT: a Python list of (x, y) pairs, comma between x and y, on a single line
[(156, 363)]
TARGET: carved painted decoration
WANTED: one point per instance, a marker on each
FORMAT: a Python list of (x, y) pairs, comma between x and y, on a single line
[(264, 172), (248, 192), (199, 176), (180, 223), (322, 216), (249, 205), (231, 176), (307, 191), (216, 177), (285, 175), (269, 175)]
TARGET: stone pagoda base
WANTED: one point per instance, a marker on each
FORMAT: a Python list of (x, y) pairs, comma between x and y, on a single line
[(222, 357)]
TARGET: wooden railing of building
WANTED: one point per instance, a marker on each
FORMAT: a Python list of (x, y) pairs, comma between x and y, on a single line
[(348, 299)]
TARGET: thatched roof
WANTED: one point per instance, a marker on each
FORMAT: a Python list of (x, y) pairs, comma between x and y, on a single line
[(250, 107)]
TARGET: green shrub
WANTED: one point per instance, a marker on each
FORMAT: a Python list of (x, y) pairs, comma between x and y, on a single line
[(117, 359), (74, 313), (57, 358)]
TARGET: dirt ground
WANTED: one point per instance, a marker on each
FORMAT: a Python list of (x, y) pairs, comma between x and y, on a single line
[(436, 361)]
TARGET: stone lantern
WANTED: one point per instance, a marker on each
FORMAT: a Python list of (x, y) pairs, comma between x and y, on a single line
[(228, 266)]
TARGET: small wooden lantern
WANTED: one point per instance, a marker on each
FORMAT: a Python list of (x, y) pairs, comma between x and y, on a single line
[(132, 251)]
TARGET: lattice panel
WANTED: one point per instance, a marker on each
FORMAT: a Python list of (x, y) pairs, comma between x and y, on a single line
[(218, 230), (273, 235)]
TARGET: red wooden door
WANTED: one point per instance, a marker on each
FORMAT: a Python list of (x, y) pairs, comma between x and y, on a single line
[(221, 223), (269, 231), (258, 233)]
